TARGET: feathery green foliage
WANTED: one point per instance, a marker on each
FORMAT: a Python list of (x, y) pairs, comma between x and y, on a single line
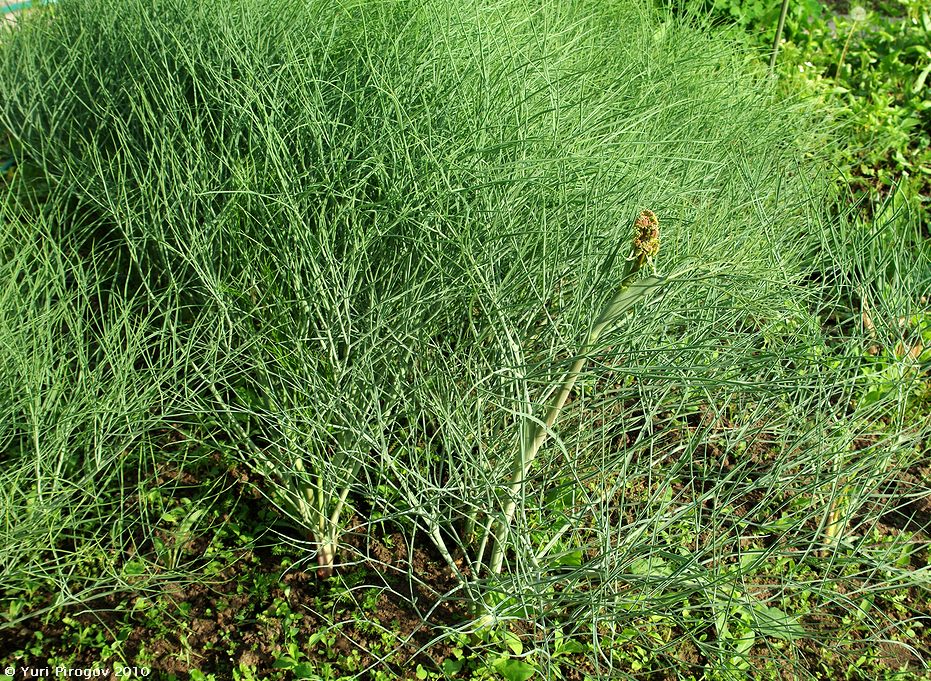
[(358, 248)]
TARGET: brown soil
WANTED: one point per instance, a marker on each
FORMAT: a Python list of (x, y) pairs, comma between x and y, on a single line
[(371, 615), (224, 623)]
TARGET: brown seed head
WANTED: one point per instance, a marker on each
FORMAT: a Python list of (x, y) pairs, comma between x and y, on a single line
[(646, 235)]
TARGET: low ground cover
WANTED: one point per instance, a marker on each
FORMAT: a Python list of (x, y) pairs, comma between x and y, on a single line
[(403, 341)]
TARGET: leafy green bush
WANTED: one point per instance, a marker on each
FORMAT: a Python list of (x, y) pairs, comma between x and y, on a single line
[(876, 69)]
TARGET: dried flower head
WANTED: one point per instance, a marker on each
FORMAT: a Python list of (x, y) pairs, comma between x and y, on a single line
[(646, 235)]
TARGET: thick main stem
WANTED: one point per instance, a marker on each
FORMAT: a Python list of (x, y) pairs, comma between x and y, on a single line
[(525, 460), (645, 246)]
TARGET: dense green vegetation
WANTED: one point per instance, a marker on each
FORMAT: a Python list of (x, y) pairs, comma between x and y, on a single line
[(870, 64), (465, 340)]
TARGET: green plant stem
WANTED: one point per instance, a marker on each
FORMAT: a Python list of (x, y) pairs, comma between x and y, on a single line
[(329, 546), (326, 537), (432, 526), (526, 455), (779, 28), (526, 458), (843, 53)]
